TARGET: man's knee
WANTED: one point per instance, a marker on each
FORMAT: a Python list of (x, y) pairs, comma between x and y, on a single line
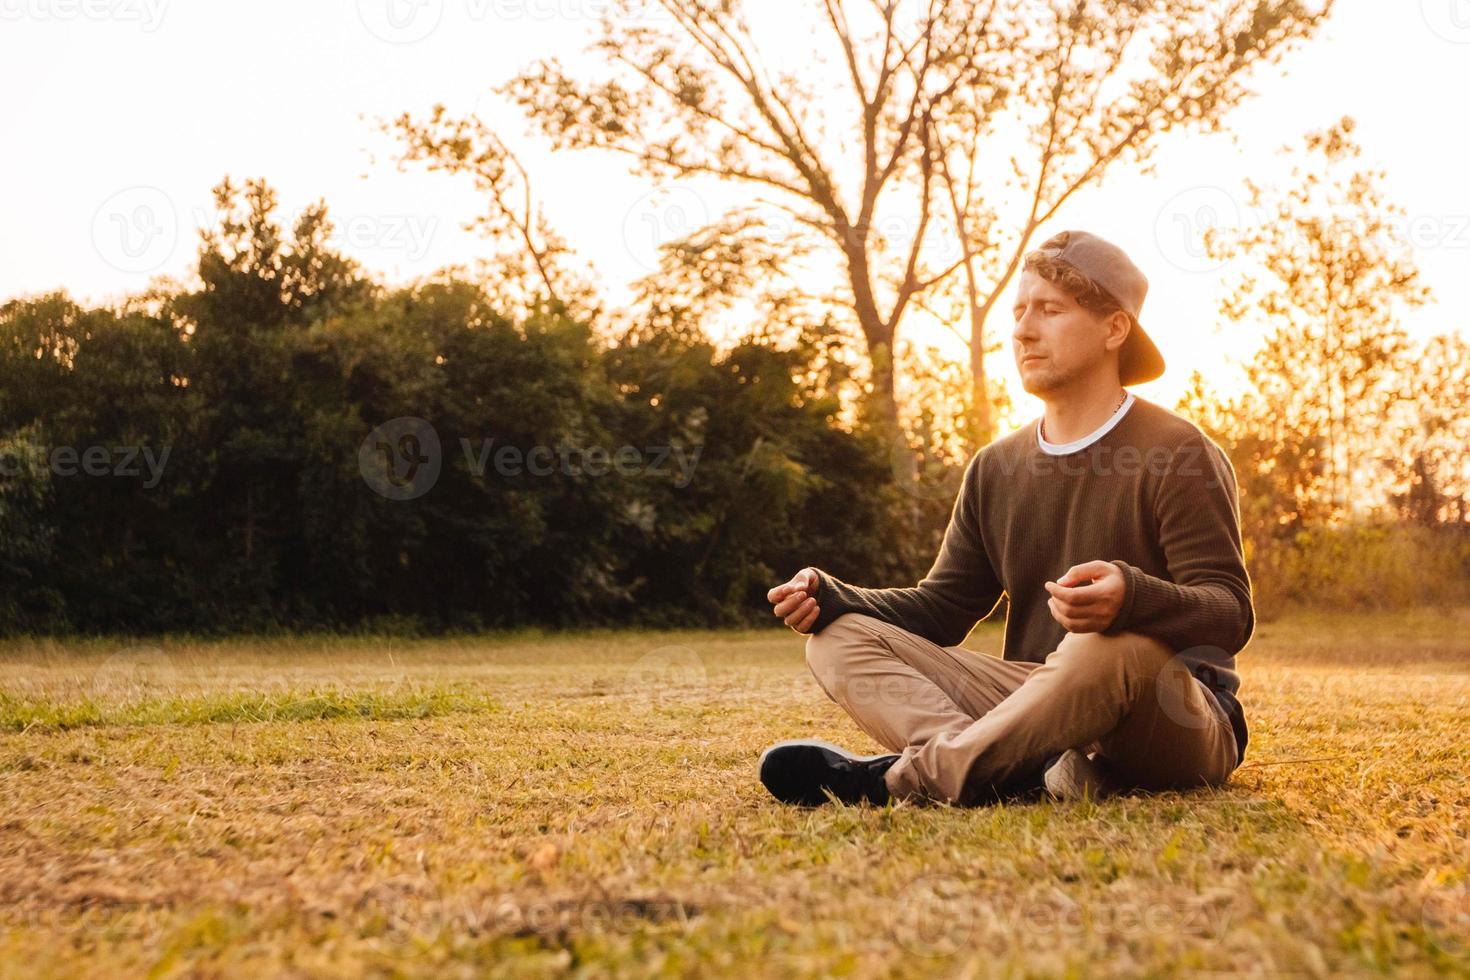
[(827, 652), (1098, 657)]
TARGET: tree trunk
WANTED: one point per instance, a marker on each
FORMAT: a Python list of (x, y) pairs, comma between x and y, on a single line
[(984, 422), (984, 428), (878, 335)]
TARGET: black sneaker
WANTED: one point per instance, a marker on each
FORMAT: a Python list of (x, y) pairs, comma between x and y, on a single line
[(798, 771)]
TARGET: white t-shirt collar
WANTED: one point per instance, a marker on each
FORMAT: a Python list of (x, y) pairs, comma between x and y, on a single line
[(1061, 449)]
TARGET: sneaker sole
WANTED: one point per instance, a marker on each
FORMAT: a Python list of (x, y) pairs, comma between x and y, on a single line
[(800, 794)]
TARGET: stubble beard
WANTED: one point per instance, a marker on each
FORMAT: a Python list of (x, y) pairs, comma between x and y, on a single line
[(1046, 380)]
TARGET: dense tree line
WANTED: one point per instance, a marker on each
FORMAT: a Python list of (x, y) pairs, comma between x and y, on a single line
[(203, 458), (285, 443)]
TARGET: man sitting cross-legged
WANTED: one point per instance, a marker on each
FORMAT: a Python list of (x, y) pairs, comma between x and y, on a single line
[(1111, 527)]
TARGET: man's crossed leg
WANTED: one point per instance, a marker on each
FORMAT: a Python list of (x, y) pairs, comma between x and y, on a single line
[(963, 724)]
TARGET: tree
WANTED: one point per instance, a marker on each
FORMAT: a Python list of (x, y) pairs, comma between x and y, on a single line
[(1429, 458), (1326, 278), (929, 90), (1097, 84), (1279, 462), (533, 264), (90, 422), (26, 597), (259, 289)]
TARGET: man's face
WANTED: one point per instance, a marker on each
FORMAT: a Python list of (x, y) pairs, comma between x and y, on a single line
[(1067, 341)]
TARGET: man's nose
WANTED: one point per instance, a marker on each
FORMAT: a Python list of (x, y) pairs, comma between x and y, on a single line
[(1025, 329)]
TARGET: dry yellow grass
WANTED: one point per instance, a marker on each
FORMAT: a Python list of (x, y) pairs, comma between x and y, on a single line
[(587, 804)]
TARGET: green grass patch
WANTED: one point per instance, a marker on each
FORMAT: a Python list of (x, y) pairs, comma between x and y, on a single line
[(586, 804), (19, 713)]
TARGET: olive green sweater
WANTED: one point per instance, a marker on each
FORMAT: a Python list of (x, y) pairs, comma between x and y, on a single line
[(1154, 495)]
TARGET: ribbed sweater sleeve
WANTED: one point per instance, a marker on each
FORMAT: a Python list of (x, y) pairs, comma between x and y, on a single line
[(1208, 603), (961, 588)]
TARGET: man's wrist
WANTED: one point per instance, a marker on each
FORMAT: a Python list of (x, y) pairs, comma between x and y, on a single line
[(829, 604), (1125, 608)]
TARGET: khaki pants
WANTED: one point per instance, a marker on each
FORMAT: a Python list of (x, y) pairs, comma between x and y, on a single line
[(964, 722)]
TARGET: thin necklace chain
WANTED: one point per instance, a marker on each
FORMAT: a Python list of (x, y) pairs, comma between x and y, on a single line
[(1115, 408)]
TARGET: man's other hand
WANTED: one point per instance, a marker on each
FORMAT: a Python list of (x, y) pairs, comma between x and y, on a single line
[(1087, 598), (795, 601)]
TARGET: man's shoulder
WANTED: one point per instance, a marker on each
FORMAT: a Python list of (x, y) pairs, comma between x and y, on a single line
[(1012, 441), (1190, 450), (1159, 426), (1001, 454)]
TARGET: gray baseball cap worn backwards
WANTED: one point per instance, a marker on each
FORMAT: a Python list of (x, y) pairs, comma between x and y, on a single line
[(1109, 266)]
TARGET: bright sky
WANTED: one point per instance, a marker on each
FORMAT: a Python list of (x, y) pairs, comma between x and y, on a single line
[(122, 114)]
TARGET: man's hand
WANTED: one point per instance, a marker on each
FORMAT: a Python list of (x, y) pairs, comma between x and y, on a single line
[(795, 601), (1083, 607)]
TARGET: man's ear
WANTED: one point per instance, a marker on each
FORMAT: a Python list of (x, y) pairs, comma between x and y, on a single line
[(1119, 324)]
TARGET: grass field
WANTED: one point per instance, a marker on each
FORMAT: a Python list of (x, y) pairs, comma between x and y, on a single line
[(531, 805)]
